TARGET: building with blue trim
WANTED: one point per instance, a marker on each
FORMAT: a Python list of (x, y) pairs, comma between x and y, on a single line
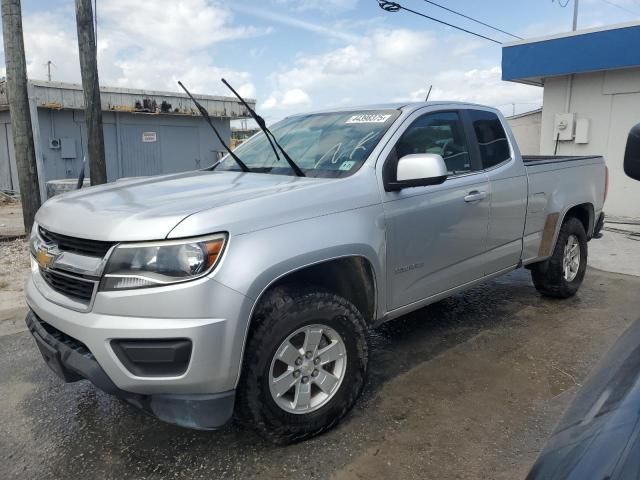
[(591, 81)]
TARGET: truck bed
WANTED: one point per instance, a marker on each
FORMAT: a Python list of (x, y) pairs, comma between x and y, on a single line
[(544, 159)]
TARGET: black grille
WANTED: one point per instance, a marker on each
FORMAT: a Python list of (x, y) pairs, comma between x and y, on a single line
[(94, 248), (70, 286), (62, 337)]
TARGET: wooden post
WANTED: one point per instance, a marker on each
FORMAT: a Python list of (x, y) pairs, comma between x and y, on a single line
[(19, 111), (91, 87)]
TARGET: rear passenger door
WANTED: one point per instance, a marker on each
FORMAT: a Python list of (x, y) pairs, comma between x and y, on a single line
[(508, 182), (436, 235)]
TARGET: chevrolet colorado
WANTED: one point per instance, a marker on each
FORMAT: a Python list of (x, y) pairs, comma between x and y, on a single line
[(251, 290)]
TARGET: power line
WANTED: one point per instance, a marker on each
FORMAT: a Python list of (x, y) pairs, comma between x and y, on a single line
[(472, 19), (395, 7)]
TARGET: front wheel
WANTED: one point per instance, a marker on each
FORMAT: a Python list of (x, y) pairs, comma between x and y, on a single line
[(305, 364), (561, 275)]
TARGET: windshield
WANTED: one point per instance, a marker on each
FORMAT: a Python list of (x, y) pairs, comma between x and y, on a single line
[(323, 145)]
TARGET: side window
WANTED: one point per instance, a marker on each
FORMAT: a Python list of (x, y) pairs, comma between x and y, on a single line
[(492, 140), (441, 133)]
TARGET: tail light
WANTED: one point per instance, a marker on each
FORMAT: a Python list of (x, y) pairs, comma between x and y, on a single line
[(606, 182)]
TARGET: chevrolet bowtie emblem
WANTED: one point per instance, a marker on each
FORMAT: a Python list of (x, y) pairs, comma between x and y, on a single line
[(44, 258)]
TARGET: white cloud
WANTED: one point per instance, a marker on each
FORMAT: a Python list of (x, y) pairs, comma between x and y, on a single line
[(400, 46), (142, 46), (295, 97), (483, 86), (383, 53), (269, 103), (182, 26), (399, 65), (48, 37), (247, 90)]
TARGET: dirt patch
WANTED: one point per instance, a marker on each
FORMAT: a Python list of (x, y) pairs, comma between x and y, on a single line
[(5, 199), (11, 222), (14, 269)]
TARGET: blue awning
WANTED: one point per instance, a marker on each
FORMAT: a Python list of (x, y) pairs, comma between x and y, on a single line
[(530, 61)]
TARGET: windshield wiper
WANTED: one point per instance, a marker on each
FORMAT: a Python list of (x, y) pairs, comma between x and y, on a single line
[(205, 114), (270, 136)]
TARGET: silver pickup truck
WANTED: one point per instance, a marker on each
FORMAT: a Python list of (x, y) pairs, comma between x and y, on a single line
[(197, 295)]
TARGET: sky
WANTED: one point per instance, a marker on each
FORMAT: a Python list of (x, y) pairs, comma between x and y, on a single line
[(303, 55)]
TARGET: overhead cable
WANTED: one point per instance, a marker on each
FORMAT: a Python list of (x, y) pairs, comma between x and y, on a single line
[(395, 7), (472, 19)]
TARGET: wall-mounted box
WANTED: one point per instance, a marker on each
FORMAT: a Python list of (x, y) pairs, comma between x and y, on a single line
[(68, 147), (563, 126), (582, 130)]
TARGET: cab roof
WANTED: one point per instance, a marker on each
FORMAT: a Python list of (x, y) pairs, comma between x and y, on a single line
[(404, 106)]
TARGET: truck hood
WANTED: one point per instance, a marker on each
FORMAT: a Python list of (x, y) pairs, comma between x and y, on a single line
[(150, 208)]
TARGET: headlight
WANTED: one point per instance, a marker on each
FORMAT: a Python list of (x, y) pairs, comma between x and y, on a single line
[(152, 264), (34, 240)]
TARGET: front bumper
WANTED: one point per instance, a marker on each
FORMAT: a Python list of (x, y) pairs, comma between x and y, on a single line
[(72, 361), (210, 315)]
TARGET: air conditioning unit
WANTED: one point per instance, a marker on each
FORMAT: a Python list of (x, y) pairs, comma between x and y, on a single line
[(54, 143)]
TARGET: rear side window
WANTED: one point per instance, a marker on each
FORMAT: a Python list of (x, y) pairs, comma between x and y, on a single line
[(492, 140)]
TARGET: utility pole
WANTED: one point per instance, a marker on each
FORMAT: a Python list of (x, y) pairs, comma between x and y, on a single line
[(575, 14), (91, 87), (19, 111)]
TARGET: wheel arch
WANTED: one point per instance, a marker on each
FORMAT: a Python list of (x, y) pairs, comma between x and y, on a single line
[(323, 268), (352, 277), (584, 212)]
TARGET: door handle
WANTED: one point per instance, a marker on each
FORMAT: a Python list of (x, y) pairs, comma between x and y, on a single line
[(475, 196)]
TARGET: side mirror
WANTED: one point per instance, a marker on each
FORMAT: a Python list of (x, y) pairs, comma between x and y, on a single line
[(418, 170), (632, 154)]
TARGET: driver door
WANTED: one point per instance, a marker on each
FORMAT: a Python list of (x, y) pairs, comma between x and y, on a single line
[(436, 235)]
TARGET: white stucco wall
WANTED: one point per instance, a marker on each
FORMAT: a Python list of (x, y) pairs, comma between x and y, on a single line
[(526, 127), (610, 100)]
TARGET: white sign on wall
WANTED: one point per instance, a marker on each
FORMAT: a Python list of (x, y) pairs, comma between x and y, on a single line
[(148, 137)]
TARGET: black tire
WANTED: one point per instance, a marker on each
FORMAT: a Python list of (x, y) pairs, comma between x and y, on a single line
[(548, 276), (281, 312)]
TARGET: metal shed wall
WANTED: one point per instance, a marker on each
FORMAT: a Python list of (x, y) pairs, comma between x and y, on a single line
[(182, 142), (8, 173)]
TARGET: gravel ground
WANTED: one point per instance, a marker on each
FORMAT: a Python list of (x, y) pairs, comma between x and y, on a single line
[(11, 222), (14, 268)]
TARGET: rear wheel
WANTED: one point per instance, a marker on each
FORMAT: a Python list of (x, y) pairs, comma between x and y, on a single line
[(561, 275), (305, 364)]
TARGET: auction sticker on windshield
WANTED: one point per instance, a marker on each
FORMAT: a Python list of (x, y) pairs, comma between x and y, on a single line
[(369, 118)]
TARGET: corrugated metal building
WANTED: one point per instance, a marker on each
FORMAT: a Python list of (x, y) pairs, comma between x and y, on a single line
[(145, 132)]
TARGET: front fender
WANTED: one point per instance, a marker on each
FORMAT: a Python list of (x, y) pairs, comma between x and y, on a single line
[(257, 259)]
